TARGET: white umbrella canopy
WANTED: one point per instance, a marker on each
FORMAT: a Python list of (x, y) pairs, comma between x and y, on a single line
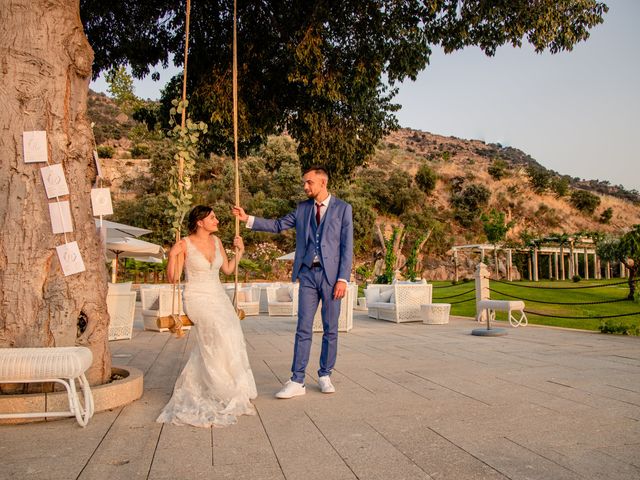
[(133, 248), (288, 256), (117, 230), (117, 239)]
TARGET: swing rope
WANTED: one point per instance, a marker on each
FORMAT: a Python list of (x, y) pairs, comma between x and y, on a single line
[(177, 317), (235, 151)]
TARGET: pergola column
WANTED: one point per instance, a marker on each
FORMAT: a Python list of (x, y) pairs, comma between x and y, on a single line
[(623, 270), (535, 264), (607, 270), (555, 266), (509, 265), (586, 264), (455, 264)]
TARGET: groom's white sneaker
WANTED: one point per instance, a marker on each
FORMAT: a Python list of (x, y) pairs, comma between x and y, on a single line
[(325, 384), (291, 389)]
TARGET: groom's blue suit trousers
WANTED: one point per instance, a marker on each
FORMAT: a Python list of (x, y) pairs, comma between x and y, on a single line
[(313, 288)]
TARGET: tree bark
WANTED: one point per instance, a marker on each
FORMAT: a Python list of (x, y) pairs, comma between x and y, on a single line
[(45, 69)]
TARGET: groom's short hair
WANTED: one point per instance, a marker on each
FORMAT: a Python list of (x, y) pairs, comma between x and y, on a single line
[(318, 169)]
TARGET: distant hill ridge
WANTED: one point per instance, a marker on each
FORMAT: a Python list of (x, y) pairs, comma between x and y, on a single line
[(454, 160)]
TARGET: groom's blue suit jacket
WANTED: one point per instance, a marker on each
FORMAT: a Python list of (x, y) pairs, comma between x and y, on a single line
[(336, 244)]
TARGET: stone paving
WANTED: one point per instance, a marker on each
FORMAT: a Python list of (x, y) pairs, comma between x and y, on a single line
[(413, 401)]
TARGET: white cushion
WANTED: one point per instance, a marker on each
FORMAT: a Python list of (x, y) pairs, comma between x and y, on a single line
[(119, 287), (385, 296), (283, 294)]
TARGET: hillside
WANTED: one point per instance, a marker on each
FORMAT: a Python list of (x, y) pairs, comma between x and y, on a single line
[(452, 157), (457, 163)]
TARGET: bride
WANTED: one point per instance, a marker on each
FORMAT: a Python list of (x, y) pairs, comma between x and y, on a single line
[(216, 385)]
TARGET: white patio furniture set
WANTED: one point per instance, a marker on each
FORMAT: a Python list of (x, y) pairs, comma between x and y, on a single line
[(399, 302)]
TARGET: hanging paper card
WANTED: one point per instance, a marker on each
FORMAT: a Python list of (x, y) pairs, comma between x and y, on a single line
[(70, 258), (60, 214), (98, 166), (54, 182), (34, 146), (101, 201)]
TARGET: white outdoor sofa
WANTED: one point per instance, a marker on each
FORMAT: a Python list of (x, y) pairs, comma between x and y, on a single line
[(399, 302)]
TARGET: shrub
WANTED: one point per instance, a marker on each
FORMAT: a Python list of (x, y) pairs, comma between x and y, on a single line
[(539, 178), (559, 186), (469, 203), (576, 278), (426, 179), (105, 151), (585, 202), (140, 150), (498, 169), (612, 326), (606, 215)]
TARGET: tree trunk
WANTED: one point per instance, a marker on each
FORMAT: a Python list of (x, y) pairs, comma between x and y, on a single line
[(45, 68)]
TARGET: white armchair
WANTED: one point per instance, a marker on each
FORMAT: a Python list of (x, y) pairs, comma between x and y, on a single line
[(283, 300), (399, 302), (345, 320), (121, 306), (157, 302), (248, 299)]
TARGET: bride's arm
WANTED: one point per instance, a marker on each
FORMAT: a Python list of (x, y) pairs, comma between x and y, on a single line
[(176, 261), (228, 266)]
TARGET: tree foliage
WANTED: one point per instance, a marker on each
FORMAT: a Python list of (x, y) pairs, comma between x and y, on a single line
[(469, 203), (625, 249), (325, 71), (585, 201), (121, 89), (539, 178), (495, 227)]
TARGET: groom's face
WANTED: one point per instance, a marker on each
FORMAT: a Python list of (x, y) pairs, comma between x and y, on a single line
[(314, 184)]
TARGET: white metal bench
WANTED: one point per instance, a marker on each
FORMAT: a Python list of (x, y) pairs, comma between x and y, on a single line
[(509, 306), (62, 365)]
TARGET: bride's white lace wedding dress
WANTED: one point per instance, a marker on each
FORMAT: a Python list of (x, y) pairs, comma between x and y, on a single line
[(216, 385)]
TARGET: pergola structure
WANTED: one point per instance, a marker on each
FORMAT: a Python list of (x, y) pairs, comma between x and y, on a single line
[(563, 258)]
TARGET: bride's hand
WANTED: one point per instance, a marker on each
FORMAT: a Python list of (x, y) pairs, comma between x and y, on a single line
[(238, 244), (177, 249)]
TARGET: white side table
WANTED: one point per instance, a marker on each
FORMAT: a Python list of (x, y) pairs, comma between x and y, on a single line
[(435, 313)]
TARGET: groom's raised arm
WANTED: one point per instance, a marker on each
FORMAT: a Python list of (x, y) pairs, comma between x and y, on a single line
[(264, 224)]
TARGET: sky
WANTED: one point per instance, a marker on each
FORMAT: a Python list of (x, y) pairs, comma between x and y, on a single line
[(577, 112)]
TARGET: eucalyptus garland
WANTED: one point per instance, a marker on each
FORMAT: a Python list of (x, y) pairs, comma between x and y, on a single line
[(186, 139)]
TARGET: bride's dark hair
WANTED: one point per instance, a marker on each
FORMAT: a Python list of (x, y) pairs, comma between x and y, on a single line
[(197, 213)]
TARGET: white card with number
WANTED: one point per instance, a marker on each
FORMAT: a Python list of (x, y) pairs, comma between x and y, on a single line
[(101, 202), (34, 146), (70, 258), (54, 181), (60, 213)]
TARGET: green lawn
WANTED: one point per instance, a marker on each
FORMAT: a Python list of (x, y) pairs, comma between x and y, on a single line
[(555, 292)]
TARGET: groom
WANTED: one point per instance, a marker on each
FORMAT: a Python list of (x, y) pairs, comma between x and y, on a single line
[(324, 251)]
